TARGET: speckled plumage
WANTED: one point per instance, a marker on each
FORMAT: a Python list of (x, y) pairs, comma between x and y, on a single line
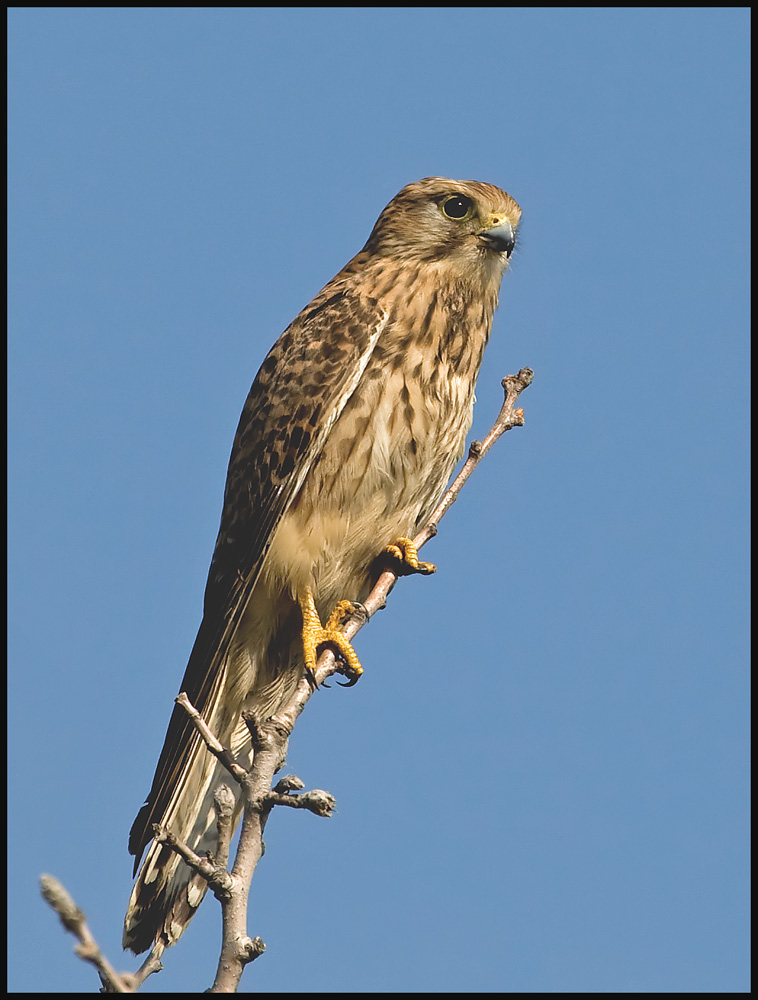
[(346, 441)]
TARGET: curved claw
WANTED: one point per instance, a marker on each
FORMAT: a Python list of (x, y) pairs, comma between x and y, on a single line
[(312, 678), (352, 680)]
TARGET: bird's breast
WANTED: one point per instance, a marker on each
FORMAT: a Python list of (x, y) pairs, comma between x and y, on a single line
[(384, 464)]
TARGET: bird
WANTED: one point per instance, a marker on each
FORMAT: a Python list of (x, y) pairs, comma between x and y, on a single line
[(347, 439)]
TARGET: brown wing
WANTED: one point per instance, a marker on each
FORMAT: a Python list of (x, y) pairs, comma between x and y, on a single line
[(299, 392)]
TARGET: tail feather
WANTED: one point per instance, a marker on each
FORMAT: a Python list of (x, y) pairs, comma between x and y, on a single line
[(167, 892)]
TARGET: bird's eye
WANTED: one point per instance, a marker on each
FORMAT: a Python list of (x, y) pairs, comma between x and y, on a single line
[(458, 206)]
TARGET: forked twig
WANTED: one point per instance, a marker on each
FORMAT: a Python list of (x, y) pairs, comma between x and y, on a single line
[(88, 950)]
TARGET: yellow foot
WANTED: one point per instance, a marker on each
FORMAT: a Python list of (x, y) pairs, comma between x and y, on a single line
[(315, 634), (406, 552)]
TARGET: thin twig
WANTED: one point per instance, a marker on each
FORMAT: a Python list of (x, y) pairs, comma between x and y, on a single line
[(269, 739), (317, 801), (214, 745), (75, 922), (216, 875), (224, 800), (151, 964), (508, 418)]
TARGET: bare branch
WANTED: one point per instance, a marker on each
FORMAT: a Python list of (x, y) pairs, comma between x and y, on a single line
[(151, 964), (224, 801), (269, 739), (317, 801), (214, 745), (75, 922), (508, 418), (289, 783), (237, 949), (216, 875)]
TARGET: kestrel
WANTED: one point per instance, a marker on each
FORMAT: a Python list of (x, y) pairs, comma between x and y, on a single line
[(350, 433)]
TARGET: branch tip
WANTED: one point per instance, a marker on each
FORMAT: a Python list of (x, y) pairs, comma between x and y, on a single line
[(224, 800), (75, 922), (517, 383), (289, 783), (251, 948)]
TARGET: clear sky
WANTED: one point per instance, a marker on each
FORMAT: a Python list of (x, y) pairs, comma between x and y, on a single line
[(542, 777)]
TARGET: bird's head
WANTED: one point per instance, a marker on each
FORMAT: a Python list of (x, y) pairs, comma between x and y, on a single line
[(468, 226)]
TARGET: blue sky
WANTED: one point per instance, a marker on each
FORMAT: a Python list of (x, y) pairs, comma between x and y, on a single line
[(542, 777)]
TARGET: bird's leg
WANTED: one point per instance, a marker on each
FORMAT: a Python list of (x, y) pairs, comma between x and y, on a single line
[(406, 553), (315, 634)]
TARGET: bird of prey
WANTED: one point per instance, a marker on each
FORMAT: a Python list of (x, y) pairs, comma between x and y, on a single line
[(347, 439)]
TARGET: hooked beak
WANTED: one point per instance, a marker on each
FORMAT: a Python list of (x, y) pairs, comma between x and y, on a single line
[(499, 238)]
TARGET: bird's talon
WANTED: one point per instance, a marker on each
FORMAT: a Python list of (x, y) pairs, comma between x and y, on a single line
[(343, 610), (406, 553), (315, 635)]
